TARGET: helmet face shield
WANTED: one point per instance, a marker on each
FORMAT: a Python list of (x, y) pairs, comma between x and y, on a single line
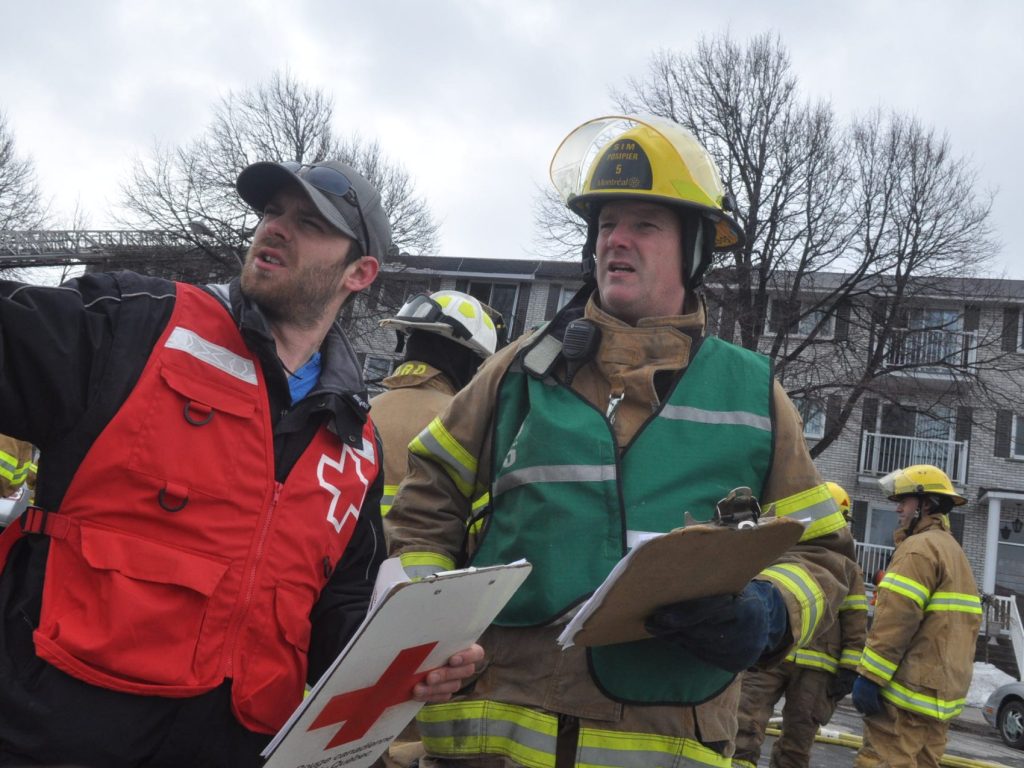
[(919, 480), (889, 483), (649, 158)]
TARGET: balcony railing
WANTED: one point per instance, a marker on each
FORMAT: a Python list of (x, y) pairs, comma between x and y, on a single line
[(881, 454), (935, 350), (872, 558)]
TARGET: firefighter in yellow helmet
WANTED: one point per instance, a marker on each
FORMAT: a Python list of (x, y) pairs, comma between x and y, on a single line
[(813, 679), (918, 659), (587, 436)]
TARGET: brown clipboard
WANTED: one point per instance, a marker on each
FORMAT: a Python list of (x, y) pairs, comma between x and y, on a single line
[(687, 563)]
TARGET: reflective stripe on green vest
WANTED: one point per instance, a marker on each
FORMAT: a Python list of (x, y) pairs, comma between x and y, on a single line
[(529, 737)]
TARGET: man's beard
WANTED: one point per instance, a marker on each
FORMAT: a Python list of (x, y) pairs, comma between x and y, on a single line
[(302, 299)]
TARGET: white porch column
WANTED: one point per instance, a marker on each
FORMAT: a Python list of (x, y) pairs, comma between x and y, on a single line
[(995, 506)]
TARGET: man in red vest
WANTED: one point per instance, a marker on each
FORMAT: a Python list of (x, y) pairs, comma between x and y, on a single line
[(207, 528)]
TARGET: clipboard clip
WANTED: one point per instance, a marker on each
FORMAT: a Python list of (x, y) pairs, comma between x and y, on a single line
[(740, 509)]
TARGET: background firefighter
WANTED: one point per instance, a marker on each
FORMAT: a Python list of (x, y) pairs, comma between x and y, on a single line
[(445, 336), (918, 659), (814, 679)]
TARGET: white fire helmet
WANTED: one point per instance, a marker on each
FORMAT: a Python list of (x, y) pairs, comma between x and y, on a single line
[(453, 314)]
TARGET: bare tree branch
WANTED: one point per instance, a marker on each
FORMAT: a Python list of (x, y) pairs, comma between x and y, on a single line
[(21, 201), (858, 237), (190, 189)]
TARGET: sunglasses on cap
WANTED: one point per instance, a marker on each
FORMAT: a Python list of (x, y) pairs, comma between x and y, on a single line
[(331, 182)]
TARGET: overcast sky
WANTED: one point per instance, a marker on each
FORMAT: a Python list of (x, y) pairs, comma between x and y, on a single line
[(473, 97)]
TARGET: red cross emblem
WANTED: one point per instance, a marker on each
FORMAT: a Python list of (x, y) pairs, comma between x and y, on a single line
[(347, 487), (360, 709)]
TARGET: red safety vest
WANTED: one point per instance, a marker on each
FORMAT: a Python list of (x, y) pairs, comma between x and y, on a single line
[(176, 560)]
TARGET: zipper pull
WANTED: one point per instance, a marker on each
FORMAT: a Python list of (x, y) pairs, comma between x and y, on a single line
[(613, 405)]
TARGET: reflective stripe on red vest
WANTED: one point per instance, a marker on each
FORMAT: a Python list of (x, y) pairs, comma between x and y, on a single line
[(183, 562)]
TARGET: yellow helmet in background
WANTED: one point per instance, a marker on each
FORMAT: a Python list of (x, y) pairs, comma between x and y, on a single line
[(647, 158), (920, 480), (841, 498)]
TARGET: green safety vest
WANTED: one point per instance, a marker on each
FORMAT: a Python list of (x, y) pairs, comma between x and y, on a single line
[(563, 498)]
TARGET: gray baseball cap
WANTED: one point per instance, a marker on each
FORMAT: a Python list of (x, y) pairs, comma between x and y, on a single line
[(349, 202)]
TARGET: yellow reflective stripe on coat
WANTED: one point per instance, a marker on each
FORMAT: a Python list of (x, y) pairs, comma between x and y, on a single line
[(805, 657), (468, 728), (815, 508), (436, 444), (957, 602), (628, 749), (877, 664), (854, 603), (799, 583), (922, 703), (387, 499), (479, 503), (851, 658), (11, 470), (910, 589), (529, 737), (420, 564)]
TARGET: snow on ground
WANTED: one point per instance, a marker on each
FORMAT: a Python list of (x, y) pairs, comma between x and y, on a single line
[(986, 679)]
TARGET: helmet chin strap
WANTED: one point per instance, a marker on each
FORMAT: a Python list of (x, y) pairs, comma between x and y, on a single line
[(589, 254)]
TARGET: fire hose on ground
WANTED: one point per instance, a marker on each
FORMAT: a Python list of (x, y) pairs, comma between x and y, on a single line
[(852, 740)]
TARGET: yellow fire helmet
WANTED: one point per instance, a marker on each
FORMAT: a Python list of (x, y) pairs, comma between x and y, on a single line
[(918, 480), (647, 158), (841, 498)]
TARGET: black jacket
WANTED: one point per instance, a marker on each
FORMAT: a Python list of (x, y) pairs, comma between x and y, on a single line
[(69, 357)]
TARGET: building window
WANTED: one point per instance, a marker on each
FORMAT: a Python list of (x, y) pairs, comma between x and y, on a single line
[(880, 526), (499, 296), (1017, 437), (799, 319), (1020, 331), (813, 413), (392, 294), (565, 294), (376, 367)]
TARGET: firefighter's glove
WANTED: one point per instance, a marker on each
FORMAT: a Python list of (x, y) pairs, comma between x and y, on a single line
[(867, 696), (729, 631), (841, 684)]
